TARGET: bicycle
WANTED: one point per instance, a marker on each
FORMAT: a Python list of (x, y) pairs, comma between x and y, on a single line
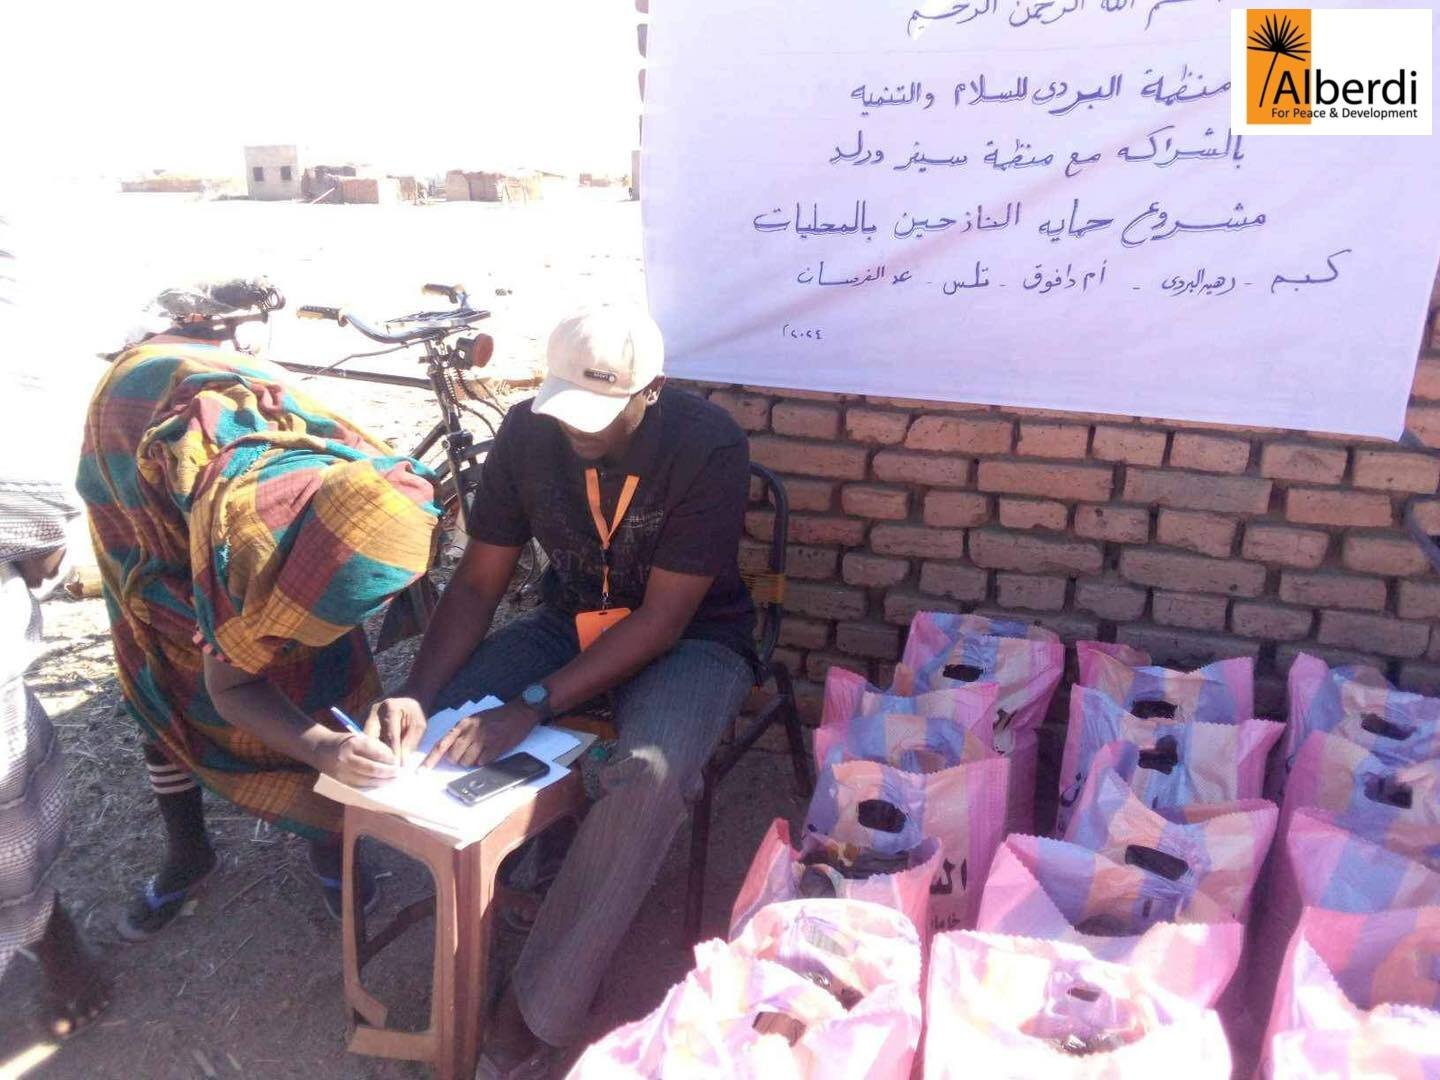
[(448, 357)]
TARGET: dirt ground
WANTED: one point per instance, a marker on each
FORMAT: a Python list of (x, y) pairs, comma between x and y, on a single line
[(249, 982)]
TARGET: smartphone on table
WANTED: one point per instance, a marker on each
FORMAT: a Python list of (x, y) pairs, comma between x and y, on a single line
[(496, 777)]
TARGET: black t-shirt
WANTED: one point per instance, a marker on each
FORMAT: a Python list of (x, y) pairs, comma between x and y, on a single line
[(687, 515)]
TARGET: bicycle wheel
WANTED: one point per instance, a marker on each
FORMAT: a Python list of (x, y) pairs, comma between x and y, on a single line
[(452, 539), (410, 612)]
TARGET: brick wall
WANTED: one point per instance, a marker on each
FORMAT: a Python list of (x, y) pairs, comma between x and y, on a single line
[(1192, 541)]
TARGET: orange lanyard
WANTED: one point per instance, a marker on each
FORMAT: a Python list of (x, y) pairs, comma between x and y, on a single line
[(607, 533)]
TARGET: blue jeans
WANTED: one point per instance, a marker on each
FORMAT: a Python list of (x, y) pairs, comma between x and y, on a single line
[(670, 716)]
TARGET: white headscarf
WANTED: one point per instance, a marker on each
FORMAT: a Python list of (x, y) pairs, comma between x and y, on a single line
[(39, 433), (38, 442), (34, 516)]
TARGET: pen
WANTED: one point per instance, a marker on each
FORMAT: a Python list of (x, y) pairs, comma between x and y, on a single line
[(351, 724)]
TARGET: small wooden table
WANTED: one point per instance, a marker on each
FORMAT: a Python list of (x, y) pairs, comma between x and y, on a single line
[(462, 906)]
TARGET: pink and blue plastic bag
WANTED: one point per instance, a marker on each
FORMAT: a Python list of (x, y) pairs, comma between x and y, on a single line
[(810, 989), (776, 872), (1216, 850), (1122, 913), (1007, 1007), (1326, 861), (1025, 663), (1219, 693), (879, 808), (1359, 704), (1391, 804), (915, 732), (1197, 765), (1177, 762), (1393, 1042), (1330, 863), (1357, 997)]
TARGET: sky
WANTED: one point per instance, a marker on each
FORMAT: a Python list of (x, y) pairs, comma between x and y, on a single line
[(120, 88)]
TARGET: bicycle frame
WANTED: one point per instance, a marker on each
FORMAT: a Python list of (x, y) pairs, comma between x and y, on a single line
[(459, 444), (432, 330)]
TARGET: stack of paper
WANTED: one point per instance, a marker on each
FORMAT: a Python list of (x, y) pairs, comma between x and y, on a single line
[(419, 793)]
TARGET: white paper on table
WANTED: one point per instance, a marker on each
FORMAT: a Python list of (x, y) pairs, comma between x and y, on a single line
[(419, 794), (439, 725)]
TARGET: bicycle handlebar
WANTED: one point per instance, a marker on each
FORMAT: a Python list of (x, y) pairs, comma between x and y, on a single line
[(454, 293), (432, 326), (311, 311), (409, 329)]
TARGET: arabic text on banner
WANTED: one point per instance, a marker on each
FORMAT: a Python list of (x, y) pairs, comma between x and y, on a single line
[(1036, 203)]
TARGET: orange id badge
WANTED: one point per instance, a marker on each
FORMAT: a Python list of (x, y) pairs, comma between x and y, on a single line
[(589, 625)]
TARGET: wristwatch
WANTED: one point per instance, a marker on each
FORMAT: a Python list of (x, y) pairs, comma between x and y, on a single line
[(538, 698)]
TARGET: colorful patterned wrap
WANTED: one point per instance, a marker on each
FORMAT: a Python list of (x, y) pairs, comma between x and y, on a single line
[(880, 808), (1049, 889), (914, 732), (775, 871), (707, 1025), (997, 1006), (234, 516), (1357, 997), (1025, 662), (1358, 704), (1217, 850), (1211, 762), (1219, 693)]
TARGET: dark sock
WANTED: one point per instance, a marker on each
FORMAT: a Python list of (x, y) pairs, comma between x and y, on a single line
[(327, 857), (190, 855), (327, 860)]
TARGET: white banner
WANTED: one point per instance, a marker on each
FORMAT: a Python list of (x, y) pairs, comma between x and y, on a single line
[(1037, 203)]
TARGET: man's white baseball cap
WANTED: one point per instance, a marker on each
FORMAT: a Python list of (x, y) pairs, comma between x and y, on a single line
[(598, 360)]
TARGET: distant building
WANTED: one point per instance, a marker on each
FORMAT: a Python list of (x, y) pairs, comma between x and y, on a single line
[(384, 190), (321, 183), (161, 182), (521, 186), (169, 183), (602, 180), (273, 172), (457, 186), (357, 184)]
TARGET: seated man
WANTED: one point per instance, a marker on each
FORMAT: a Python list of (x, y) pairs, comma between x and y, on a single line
[(637, 493)]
